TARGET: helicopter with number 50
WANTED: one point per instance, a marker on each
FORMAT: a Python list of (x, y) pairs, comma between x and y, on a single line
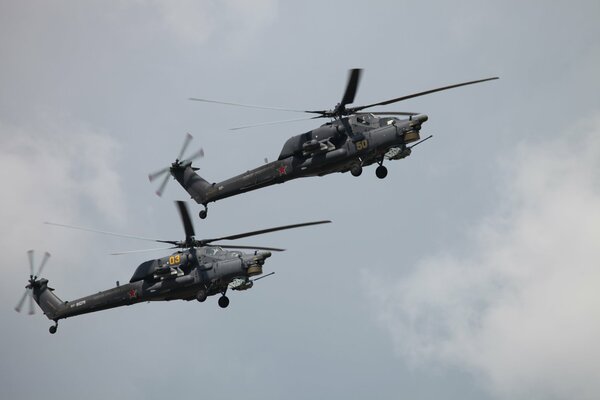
[(200, 268), (353, 139)]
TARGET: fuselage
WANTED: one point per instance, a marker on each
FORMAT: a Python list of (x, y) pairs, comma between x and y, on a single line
[(334, 147), (180, 276)]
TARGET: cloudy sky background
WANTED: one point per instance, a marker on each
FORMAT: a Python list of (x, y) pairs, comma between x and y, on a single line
[(470, 272)]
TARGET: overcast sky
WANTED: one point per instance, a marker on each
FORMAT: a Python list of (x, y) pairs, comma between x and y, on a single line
[(470, 272)]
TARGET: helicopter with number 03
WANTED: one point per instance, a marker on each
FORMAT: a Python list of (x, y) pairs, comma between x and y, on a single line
[(351, 140), (198, 269)]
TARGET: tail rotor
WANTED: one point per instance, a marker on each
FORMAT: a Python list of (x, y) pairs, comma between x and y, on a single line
[(32, 282), (180, 162)]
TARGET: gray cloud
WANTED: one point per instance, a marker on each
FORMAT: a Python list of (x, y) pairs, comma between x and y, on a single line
[(68, 174), (522, 309), (198, 21), (67, 165)]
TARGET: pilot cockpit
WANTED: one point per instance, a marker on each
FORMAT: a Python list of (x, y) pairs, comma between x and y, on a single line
[(363, 119), (213, 251)]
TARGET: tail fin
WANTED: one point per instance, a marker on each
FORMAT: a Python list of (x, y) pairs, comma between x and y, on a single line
[(48, 301), (193, 183)]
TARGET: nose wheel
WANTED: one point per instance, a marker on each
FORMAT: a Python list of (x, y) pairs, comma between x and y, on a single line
[(53, 328), (201, 296), (356, 170)]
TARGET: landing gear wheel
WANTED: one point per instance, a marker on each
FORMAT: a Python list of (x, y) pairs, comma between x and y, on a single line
[(381, 172), (203, 213), (223, 301), (53, 329), (356, 170), (201, 296)]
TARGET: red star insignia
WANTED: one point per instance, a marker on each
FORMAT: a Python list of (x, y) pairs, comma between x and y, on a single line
[(132, 294), (282, 170)]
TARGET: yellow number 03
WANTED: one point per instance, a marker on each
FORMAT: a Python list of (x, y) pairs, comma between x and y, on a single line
[(175, 259), (361, 145)]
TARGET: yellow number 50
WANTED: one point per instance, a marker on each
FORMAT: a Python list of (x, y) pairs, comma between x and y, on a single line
[(361, 145)]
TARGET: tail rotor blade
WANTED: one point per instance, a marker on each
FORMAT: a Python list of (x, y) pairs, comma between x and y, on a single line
[(186, 142), (156, 174), (31, 305), (198, 154), (30, 255), (22, 301), (162, 186), (46, 257), (177, 165)]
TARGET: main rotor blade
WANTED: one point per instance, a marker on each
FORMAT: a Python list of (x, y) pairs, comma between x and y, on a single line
[(156, 174), (106, 232), (405, 113), (46, 257), (30, 255), (186, 142), (262, 231), (120, 253), (31, 305), (245, 105), (285, 121), (185, 219), (226, 246), (22, 301), (353, 80), (162, 186), (410, 96)]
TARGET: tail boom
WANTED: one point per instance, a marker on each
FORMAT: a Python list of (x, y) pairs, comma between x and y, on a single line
[(204, 192), (194, 184), (55, 309), (51, 304)]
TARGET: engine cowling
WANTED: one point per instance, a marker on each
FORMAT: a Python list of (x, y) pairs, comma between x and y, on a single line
[(311, 145)]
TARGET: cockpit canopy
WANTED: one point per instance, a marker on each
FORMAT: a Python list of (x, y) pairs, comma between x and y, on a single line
[(212, 251)]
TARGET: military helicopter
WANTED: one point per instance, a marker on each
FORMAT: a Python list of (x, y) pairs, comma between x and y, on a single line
[(352, 140), (198, 269)]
